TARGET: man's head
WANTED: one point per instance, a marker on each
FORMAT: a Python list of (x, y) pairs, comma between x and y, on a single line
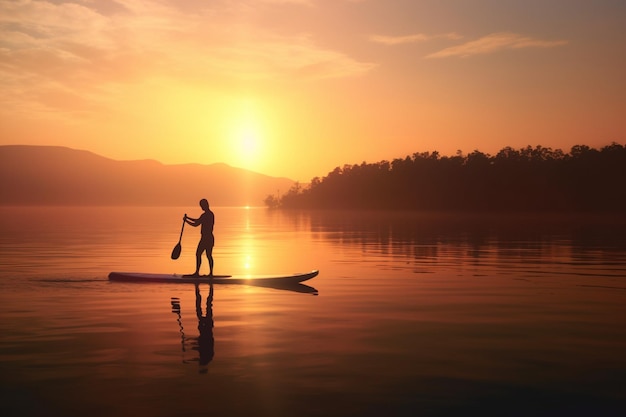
[(204, 204)]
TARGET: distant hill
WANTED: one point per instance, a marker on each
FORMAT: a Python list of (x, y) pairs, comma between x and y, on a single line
[(51, 175)]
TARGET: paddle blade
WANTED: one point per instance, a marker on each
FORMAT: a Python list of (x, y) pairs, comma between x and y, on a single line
[(176, 251)]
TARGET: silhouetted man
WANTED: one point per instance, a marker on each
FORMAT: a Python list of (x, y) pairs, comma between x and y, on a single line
[(207, 240)]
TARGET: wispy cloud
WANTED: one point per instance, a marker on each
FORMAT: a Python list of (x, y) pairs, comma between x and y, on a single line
[(81, 48), (415, 38), (278, 56), (302, 2), (495, 42)]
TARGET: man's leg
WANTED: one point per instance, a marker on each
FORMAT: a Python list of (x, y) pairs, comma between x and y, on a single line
[(198, 258), (209, 255)]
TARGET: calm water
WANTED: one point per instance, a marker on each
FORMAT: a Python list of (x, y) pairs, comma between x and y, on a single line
[(415, 314)]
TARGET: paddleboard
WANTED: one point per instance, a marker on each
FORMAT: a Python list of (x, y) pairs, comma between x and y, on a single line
[(216, 279)]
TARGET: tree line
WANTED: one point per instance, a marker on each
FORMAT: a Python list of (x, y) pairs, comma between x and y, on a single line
[(526, 179)]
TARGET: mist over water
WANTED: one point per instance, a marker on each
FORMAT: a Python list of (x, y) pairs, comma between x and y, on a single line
[(416, 314)]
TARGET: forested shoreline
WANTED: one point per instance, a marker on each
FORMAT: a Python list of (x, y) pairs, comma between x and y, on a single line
[(526, 179)]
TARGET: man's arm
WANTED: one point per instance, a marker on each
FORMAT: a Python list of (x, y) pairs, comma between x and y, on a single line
[(191, 221)]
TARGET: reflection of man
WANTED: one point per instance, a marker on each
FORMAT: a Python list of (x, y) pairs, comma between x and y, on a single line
[(206, 342), (207, 241)]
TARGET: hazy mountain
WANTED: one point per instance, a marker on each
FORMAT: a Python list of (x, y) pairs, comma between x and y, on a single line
[(51, 175)]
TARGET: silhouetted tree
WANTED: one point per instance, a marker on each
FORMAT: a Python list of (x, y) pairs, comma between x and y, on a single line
[(530, 178)]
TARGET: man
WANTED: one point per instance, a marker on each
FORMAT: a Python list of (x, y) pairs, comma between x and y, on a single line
[(206, 220)]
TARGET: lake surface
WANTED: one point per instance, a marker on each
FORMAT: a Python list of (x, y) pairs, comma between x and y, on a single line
[(412, 314)]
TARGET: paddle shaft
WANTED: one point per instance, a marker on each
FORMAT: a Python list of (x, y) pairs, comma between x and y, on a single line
[(181, 230)]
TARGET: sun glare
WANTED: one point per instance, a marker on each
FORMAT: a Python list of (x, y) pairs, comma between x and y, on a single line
[(246, 135), (247, 141)]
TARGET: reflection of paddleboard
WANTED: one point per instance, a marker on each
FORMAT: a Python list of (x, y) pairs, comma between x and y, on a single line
[(217, 279)]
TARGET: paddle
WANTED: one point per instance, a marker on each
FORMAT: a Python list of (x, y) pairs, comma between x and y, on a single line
[(178, 247)]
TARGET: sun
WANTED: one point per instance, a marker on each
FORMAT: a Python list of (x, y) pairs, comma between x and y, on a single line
[(247, 141), (246, 136)]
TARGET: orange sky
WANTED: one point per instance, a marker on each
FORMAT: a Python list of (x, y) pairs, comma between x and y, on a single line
[(295, 88)]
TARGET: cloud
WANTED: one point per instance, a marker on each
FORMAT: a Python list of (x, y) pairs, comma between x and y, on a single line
[(154, 37), (302, 2), (279, 56), (87, 48), (416, 38), (495, 42)]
